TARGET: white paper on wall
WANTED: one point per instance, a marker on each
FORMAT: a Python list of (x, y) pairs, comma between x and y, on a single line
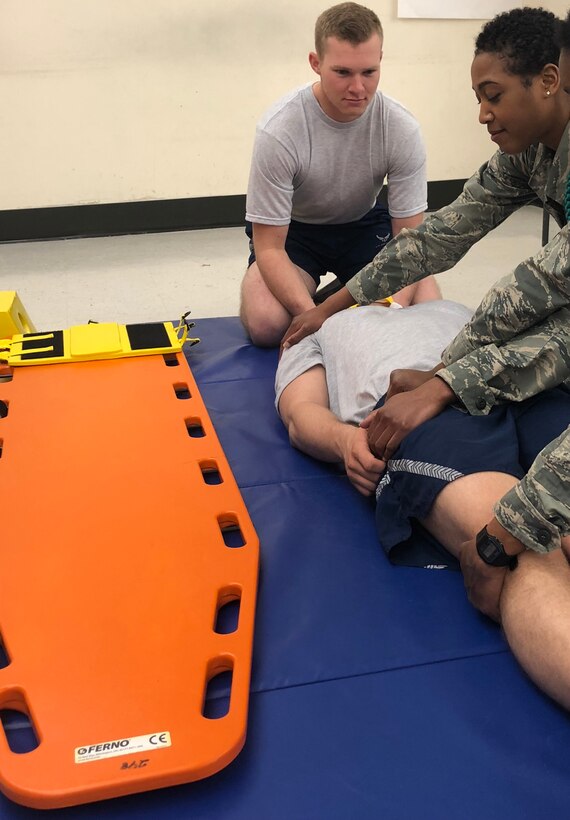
[(454, 10)]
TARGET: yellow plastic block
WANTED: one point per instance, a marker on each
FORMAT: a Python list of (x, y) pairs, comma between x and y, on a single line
[(13, 316)]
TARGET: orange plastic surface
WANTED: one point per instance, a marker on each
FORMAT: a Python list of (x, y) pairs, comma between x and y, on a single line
[(113, 565)]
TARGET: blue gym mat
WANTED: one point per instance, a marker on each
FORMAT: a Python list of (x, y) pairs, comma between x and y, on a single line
[(377, 691)]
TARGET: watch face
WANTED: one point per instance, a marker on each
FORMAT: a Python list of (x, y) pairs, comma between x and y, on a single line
[(489, 550)]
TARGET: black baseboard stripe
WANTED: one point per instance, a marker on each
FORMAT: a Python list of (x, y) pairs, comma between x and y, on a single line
[(114, 219)]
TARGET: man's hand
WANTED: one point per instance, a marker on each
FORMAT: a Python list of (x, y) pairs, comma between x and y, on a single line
[(484, 583), (402, 413), (404, 380), (362, 468), (310, 321), (303, 325)]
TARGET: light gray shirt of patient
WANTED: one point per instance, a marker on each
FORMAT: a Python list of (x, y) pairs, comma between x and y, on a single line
[(360, 347)]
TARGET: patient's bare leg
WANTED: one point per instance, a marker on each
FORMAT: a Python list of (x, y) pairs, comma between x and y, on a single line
[(464, 506), (535, 603), (535, 610)]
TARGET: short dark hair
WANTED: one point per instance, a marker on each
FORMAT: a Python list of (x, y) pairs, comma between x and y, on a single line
[(347, 21), (527, 39), (563, 37)]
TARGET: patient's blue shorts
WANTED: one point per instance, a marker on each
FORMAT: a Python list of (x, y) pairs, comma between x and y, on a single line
[(340, 249), (449, 446)]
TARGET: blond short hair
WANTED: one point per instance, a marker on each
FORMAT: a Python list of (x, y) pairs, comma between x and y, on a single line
[(346, 21)]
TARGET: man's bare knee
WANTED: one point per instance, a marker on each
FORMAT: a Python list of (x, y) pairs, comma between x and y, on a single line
[(261, 330), (264, 318), (426, 290)]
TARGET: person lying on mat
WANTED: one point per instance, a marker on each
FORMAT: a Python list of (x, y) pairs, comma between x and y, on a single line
[(330, 382), (320, 157), (517, 343), (439, 488)]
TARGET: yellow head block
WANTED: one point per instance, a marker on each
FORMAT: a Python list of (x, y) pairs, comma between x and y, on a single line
[(13, 316)]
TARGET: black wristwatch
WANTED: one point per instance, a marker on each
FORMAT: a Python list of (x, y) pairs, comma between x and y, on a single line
[(492, 552)]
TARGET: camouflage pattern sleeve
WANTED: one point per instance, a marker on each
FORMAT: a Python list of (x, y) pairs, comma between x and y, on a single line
[(537, 509), (538, 287), (536, 360), (499, 188)]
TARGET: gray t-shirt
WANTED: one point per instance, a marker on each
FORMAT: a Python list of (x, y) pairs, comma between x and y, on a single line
[(360, 347), (311, 168)]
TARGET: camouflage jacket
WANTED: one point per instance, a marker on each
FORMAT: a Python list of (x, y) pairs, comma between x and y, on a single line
[(518, 341), (537, 509)]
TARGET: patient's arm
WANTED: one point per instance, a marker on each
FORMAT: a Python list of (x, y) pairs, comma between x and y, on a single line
[(314, 429)]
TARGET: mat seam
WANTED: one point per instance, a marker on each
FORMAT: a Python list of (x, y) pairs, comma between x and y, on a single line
[(381, 671), (373, 672)]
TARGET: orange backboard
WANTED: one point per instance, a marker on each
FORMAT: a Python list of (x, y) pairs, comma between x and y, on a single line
[(123, 536)]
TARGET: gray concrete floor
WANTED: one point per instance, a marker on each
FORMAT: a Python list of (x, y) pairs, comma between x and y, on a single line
[(155, 277)]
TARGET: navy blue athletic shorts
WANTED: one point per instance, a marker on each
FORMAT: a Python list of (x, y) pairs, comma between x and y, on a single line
[(340, 249), (449, 446)]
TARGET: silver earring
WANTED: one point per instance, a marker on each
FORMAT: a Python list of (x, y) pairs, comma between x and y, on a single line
[(548, 93)]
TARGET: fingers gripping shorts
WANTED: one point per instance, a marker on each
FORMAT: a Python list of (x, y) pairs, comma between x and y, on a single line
[(452, 445)]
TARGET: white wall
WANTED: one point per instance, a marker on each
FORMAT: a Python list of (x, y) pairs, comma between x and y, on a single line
[(123, 100)]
